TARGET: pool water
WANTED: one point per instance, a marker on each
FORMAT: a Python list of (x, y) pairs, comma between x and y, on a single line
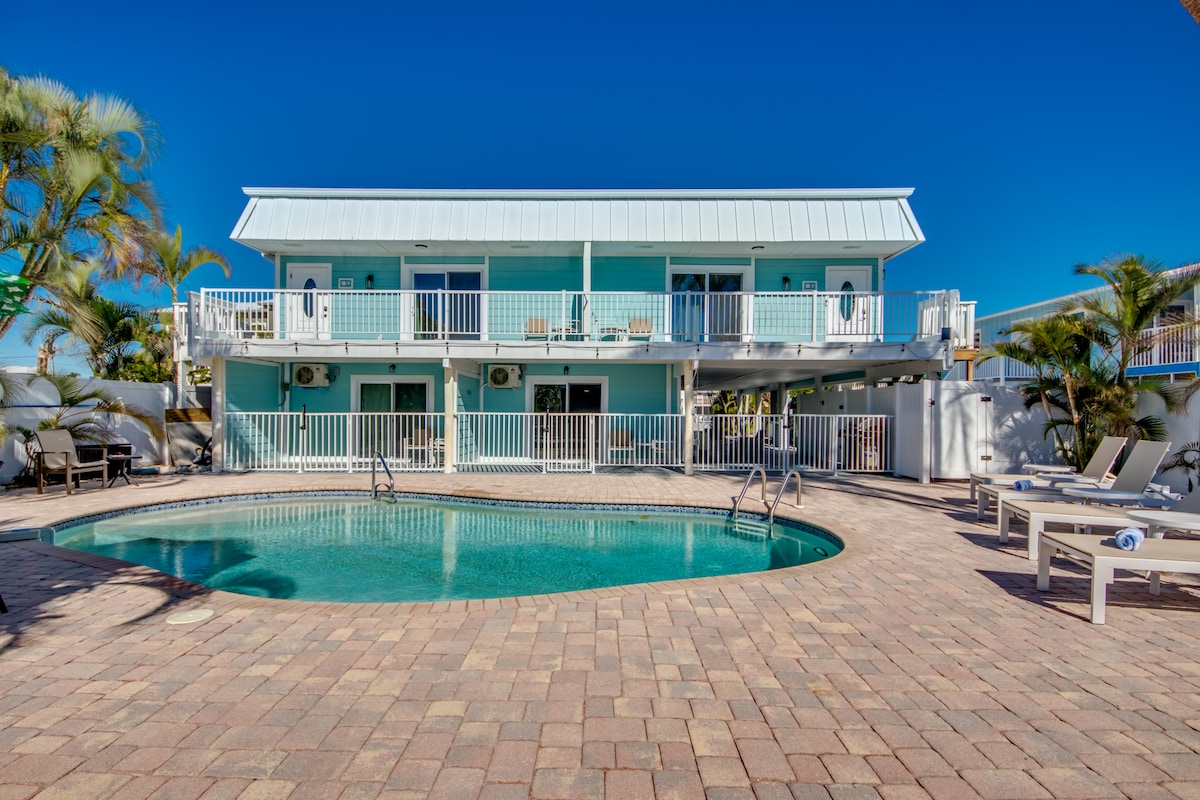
[(356, 550)]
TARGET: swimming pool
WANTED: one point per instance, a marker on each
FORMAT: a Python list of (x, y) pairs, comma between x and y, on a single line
[(349, 549)]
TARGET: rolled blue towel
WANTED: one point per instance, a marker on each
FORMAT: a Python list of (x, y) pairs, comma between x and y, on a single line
[(1129, 538), (1022, 485)]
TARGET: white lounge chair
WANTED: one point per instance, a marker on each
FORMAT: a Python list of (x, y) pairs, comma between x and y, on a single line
[(1038, 513), (1105, 558), (1137, 471), (1095, 471)]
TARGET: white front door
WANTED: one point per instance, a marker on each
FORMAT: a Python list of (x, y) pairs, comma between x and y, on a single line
[(849, 316), (307, 310)]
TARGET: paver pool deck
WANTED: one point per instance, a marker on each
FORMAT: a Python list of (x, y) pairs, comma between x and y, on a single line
[(920, 663)]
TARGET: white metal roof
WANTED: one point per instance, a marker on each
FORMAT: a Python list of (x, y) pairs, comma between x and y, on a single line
[(875, 221)]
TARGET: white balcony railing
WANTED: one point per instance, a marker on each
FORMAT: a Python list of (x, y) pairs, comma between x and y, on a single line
[(1168, 346), (347, 442), (442, 315), (1003, 368)]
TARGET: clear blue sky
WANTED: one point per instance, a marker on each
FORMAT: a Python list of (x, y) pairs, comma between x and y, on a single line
[(1037, 133)]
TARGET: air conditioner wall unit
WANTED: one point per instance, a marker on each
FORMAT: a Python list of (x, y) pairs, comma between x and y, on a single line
[(309, 376), (504, 376)]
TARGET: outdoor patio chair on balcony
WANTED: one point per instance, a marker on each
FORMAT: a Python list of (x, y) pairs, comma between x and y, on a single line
[(641, 328), (58, 457), (537, 328)]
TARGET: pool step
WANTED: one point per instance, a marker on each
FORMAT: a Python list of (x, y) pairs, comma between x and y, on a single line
[(759, 529)]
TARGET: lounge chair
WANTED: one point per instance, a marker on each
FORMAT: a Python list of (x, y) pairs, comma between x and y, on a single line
[(537, 328), (58, 457), (1137, 471), (1104, 558), (1037, 513), (1181, 515), (1094, 471)]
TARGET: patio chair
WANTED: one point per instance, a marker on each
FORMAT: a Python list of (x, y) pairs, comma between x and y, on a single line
[(423, 447), (1093, 472), (620, 442), (1050, 486), (58, 457), (537, 328), (641, 328)]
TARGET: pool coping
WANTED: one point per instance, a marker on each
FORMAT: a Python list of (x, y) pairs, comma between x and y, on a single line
[(854, 548)]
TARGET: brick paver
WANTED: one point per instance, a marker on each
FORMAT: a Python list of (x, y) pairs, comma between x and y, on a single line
[(921, 663)]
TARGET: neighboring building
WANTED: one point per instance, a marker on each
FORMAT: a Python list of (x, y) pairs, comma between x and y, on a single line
[(552, 329), (1178, 355)]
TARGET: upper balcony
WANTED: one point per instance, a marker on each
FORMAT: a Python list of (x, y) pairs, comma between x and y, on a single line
[(612, 318)]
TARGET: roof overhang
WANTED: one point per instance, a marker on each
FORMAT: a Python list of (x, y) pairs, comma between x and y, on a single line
[(876, 223)]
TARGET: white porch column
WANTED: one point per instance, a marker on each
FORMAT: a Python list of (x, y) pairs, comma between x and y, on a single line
[(450, 404), (218, 414), (587, 289), (689, 424)]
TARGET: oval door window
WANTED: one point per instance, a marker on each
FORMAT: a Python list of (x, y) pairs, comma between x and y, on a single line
[(847, 301), (309, 285)]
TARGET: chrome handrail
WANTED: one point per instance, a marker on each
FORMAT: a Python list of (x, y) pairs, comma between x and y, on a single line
[(779, 497), (376, 488), (737, 504)]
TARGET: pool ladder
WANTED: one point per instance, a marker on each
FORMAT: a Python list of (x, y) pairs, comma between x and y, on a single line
[(760, 471), (387, 489)]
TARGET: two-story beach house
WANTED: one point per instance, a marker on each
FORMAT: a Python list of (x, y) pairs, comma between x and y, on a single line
[(556, 329)]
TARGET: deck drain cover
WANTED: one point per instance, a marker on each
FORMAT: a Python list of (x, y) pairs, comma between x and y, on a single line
[(186, 617)]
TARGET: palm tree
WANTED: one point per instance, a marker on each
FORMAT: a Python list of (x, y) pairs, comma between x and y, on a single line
[(1058, 351), (72, 180), (1142, 294), (166, 263), (105, 329)]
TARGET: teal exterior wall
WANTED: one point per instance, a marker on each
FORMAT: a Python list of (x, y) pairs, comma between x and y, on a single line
[(535, 274), (632, 388), (385, 269), (337, 396), (251, 387), (642, 274), (769, 272)]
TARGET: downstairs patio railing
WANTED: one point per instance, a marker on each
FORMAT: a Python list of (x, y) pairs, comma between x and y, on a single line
[(547, 442)]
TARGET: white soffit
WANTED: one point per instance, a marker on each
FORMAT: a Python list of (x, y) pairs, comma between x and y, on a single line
[(882, 218)]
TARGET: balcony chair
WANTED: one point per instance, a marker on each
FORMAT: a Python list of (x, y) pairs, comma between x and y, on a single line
[(641, 328), (58, 457), (537, 328), (620, 442)]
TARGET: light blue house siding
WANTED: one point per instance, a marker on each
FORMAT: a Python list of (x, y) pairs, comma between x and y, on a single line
[(251, 386), (338, 396)]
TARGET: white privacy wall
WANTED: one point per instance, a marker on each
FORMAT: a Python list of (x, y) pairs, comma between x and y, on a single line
[(40, 401)]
